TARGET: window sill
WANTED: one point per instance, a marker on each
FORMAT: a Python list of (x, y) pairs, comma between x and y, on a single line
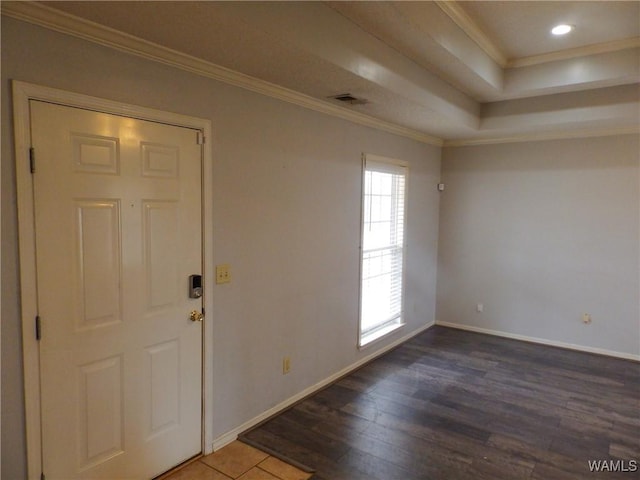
[(378, 335)]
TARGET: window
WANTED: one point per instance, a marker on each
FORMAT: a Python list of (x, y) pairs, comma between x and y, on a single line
[(383, 215)]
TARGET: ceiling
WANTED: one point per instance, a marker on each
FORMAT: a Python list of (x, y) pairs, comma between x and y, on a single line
[(464, 71), (521, 29)]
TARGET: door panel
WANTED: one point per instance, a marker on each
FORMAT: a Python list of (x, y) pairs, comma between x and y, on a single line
[(118, 232), (164, 386), (100, 405), (98, 259), (160, 236)]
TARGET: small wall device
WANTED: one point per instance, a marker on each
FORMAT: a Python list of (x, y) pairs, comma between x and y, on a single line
[(195, 286)]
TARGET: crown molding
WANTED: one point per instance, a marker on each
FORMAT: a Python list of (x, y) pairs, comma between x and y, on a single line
[(53, 19), (471, 28), (468, 25), (594, 49), (538, 137), (56, 20)]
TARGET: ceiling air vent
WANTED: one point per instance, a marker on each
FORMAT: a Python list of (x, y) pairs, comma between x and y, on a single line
[(350, 99)]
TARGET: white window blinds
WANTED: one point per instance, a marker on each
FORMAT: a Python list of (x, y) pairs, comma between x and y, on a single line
[(383, 220)]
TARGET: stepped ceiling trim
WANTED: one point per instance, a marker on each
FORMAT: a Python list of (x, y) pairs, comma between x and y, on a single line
[(56, 20), (538, 137), (53, 19), (575, 52), (471, 28)]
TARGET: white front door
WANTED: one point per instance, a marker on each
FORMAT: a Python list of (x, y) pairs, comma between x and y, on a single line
[(118, 232)]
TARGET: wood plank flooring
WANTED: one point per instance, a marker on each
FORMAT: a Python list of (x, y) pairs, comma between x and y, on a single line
[(451, 404)]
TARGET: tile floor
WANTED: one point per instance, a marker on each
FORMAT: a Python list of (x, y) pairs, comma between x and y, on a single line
[(239, 461)]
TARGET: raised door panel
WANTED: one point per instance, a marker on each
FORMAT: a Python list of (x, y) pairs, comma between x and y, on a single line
[(164, 385), (160, 243), (99, 268), (101, 403)]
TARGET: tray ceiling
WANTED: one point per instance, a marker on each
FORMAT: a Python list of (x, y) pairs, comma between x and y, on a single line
[(457, 71)]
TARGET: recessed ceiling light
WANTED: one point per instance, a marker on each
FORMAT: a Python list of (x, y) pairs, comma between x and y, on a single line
[(561, 29)]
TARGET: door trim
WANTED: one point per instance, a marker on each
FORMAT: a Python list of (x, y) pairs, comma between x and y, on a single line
[(22, 94)]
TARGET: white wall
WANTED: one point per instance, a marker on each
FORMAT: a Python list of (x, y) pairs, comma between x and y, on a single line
[(286, 218), (540, 233)]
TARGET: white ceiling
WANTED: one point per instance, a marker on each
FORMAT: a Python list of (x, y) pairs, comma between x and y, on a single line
[(521, 29), (454, 70)]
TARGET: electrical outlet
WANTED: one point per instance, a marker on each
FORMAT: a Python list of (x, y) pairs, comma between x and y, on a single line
[(480, 308), (286, 365), (223, 274), (586, 318)]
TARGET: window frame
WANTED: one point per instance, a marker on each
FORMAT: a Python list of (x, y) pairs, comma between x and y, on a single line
[(384, 329)]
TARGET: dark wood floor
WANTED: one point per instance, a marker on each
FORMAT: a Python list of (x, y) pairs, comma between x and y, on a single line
[(451, 404)]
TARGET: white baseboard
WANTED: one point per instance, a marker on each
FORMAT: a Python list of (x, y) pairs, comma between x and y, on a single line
[(543, 341), (232, 435)]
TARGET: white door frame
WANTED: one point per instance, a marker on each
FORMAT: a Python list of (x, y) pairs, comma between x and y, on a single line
[(22, 94)]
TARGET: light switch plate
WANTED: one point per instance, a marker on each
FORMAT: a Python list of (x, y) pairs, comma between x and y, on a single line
[(223, 274)]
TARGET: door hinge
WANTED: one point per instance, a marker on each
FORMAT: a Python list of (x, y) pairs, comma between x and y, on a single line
[(32, 160), (200, 137), (38, 328)]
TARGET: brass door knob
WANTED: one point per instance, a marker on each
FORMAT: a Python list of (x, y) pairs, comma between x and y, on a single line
[(196, 316)]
